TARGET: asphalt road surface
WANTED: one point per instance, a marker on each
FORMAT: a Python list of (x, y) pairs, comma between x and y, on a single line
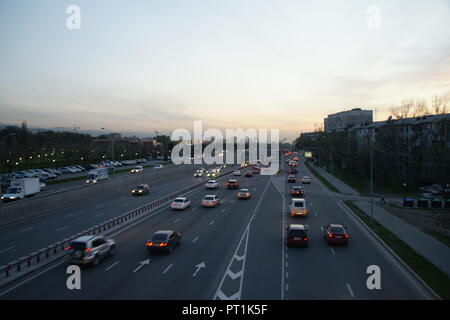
[(234, 251)]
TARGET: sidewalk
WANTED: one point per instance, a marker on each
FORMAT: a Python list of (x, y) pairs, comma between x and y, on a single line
[(425, 245)]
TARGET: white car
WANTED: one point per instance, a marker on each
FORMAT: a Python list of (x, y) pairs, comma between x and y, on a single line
[(198, 173), (159, 166), (180, 204), (237, 173), (297, 207), (210, 201), (137, 169), (306, 180), (212, 184)]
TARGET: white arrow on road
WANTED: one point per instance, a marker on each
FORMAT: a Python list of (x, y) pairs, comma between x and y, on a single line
[(141, 264), (199, 266)]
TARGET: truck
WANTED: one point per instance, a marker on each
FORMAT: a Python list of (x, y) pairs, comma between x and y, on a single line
[(21, 188), (97, 175)]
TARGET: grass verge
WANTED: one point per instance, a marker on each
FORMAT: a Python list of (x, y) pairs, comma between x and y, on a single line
[(322, 179), (433, 277)]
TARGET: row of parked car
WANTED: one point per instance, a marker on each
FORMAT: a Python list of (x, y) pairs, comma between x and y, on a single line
[(45, 174)]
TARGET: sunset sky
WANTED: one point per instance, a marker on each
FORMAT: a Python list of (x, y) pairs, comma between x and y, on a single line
[(146, 65)]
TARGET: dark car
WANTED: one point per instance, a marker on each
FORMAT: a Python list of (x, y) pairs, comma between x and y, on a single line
[(163, 241), (291, 179), (256, 170), (296, 235), (292, 170), (248, 174), (335, 234), (297, 191), (232, 184), (140, 190)]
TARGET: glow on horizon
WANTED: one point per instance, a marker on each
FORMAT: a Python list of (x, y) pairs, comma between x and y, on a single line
[(160, 65)]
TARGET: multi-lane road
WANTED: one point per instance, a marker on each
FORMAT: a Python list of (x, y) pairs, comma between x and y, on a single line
[(234, 251)]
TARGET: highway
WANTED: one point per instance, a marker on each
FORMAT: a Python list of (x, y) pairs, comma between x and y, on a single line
[(234, 251)]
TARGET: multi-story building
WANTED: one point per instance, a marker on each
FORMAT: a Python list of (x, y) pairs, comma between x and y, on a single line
[(344, 120)]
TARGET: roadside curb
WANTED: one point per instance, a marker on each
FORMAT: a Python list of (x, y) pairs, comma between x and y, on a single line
[(404, 264)]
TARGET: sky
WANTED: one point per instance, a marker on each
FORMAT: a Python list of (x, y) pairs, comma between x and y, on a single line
[(158, 65)]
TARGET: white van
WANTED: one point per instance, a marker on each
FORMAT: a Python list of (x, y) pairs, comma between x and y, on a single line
[(297, 207)]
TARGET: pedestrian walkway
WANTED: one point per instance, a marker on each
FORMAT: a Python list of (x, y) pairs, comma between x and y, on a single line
[(431, 249)]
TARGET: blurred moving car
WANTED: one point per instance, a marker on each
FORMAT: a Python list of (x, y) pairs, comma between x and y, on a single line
[(306, 180), (90, 249), (158, 166), (198, 173), (163, 241), (291, 178), (210, 200), (141, 190), (336, 233), (137, 169), (212, 184), (296, 235), (180, 203), (297, 207), (248, 174), (297, 191), (236, 172), (244, 194), (232, 184)]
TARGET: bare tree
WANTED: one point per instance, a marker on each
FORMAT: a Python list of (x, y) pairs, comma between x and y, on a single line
[(420, 108), (439, 104), (404, 110)]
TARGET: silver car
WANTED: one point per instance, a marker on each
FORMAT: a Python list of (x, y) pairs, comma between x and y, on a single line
[(90, 249)]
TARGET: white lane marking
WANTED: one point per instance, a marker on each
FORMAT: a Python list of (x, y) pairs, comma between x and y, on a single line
[(99, 205), (98, 215), (193, 209), (7, 249), (195, 240), (287, 275), (61, 229), (177, 220), (231, 201), (321, 228), (332, 251), (124, 205), (141, 264), (112, 266), (167, 269), (70, 215), (315, 213), (287, 287), (26, 229), (211, 223), (223, 210), (350, 290)]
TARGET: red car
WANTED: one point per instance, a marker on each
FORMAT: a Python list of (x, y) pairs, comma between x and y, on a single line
[(232, 184), (296, 235), (297, 191), (248, 174), (336, 234)]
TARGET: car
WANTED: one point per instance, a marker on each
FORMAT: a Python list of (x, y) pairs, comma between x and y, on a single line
[(248, 174), (292, 163), (80, 167), (75, 169), (198, 173), (210, 200), (244, 194), (224, 166), (297, 191), (298, 207), (236, 173), (180, 203), (336, 233), (42, 186), (291, 178), (306, 180), (211, 174), (163, 241), (67, 170), (296, 235), (295, 159), (137, 169), (90, 249), (158, 166), (232, 184), (140, 190), (256, 170), (212, 184), (292, 170)]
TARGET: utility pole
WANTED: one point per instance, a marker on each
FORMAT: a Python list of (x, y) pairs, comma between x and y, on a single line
[(371, 176)]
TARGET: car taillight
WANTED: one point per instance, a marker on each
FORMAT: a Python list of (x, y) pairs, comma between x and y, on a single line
[(68, 248), (292, 211), (305, 239), (163, 244), (346, 236), (330, 236), (149, 244), (203, 202)]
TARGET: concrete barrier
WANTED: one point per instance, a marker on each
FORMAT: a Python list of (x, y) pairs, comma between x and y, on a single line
[(38, 205)]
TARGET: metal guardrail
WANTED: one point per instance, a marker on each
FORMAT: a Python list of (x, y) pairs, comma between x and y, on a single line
[(55, 250)]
